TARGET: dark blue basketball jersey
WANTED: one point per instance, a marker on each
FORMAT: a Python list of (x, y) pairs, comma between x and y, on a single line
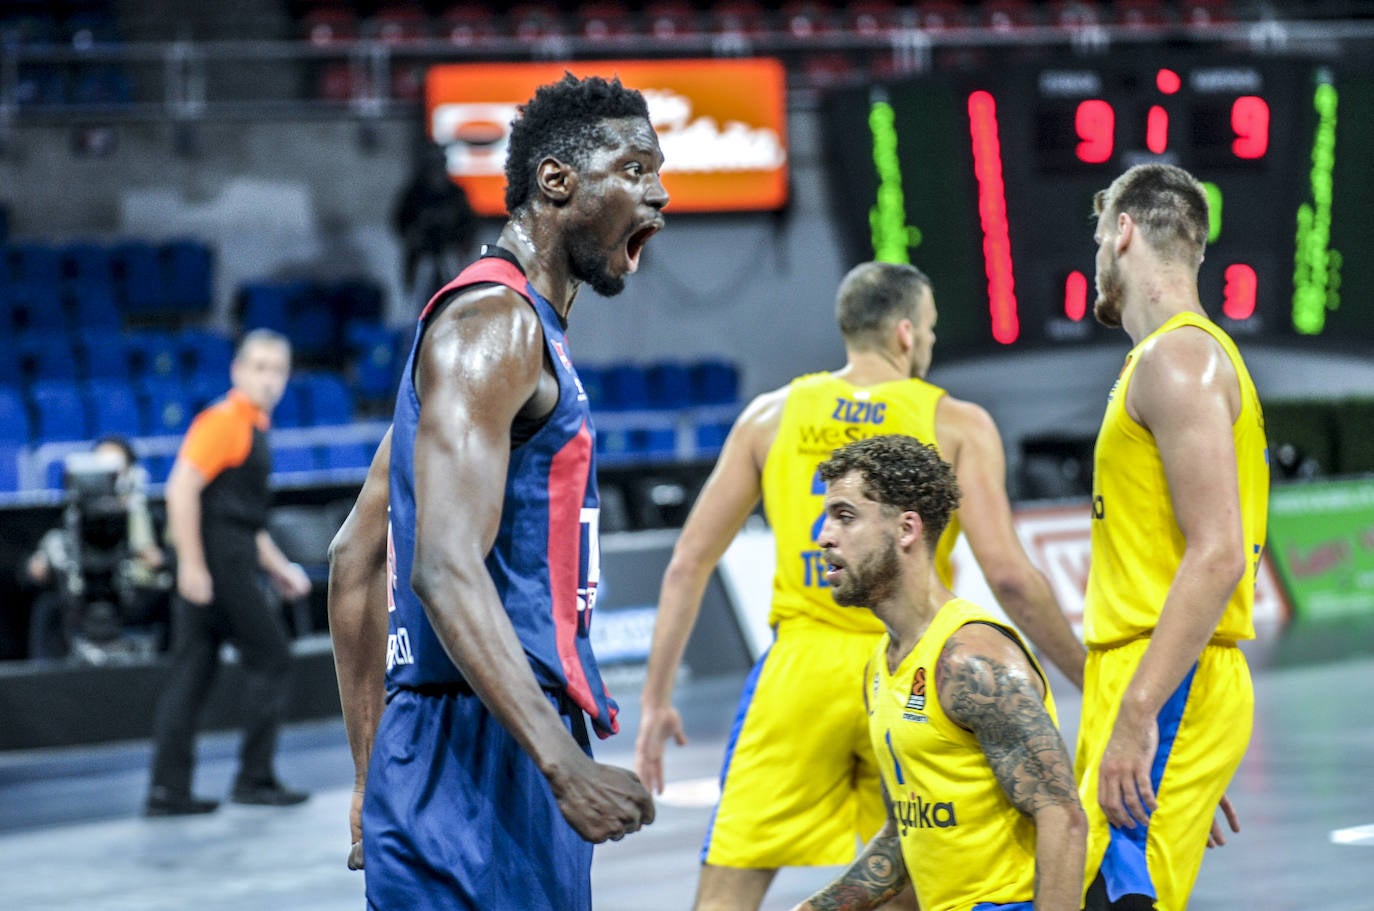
[(545, 561)]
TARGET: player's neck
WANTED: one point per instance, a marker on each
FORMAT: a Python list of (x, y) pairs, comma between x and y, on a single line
[(907, 616), (536, 252), (869, 368), (1157, 302)]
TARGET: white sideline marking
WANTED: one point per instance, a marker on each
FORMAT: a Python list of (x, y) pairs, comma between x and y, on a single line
[(1356, 835), (692, 792)]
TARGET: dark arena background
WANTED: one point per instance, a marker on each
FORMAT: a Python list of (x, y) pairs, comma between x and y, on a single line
[(174, 174)]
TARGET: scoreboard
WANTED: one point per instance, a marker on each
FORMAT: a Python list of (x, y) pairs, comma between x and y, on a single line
[(985, 181)]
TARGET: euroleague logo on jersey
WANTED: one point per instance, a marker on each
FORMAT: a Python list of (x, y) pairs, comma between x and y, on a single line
[(916, 702)]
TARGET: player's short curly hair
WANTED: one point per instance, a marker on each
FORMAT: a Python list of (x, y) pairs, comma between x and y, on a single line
[(901, 473), (564, 120)]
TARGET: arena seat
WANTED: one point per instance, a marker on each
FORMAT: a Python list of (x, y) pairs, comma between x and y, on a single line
[(15, 426), (58, 411), (326, 399), (187, 266), (45, 356), (102, 353), (165, 407), (112, 407), (140, 289)]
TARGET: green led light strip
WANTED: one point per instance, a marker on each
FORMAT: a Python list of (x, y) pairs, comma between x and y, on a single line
[(1213, 210), (890, 235), (1316, 267)]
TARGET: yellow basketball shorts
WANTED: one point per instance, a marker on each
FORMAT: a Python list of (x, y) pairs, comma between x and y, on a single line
[(799, 786), (1204, 729)]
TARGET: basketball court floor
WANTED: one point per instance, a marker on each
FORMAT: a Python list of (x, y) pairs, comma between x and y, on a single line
[(71, 836)]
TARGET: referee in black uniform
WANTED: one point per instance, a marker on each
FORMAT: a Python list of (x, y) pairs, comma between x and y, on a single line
[(217, 503)]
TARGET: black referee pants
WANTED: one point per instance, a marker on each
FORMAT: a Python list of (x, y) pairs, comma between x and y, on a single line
[(240, 613)]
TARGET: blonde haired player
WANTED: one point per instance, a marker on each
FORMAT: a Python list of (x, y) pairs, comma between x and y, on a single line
[(1180, 499)]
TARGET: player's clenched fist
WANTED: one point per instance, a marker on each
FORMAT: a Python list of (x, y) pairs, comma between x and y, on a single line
[(601, 802)]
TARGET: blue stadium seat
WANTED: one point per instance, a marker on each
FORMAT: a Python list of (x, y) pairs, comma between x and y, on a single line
[(670, 386), (203, 389), (153, 355), (40, 84), (139, 286), (36, 307), (102, 85), (9, 466), (710, 436), (159, 467), (290, 411), (655, 442), (87, 263), (292, 459), (327, 399), (102, 353), (626, 386), (266, 305), (357, 299), (58, 411), (45, 356), (113, 407), (93, 305), (204, 353), (165, 406), (311, 327), (14, 417), (35, 264), (186, 266), (593, 384), (375, 360), (714, 382), (343, 456)]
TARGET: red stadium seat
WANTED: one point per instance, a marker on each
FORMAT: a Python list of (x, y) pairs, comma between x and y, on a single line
[(740, 19), (535, 22), (872, 18), (467, 25), (944, 15), (399, 24), (604, 22), (668, 20), (330, 26), (804, 19), (1140, 13), (1009, 15)]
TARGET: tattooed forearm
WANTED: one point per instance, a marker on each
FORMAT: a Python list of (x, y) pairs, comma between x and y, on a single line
[(999, 703), (876, 875)]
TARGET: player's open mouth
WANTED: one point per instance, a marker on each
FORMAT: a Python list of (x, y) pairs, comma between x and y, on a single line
[(635, 245), (833, 571)]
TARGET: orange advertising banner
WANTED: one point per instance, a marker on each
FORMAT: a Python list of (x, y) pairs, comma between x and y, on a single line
[(721, 123)]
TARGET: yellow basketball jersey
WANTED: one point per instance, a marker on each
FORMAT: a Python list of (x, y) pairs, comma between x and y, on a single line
[(963, 840), (1136, 542), (821, 414)]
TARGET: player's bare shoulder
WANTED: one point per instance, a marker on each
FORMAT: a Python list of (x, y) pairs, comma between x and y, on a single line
[(757, 425), (1180, 369), (961, 424)]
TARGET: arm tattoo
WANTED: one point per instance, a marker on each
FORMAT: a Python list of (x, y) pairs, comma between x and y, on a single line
[(1002, 709), (876, 875)]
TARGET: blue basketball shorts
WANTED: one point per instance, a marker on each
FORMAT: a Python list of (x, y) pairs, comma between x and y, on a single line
[(457, 817)]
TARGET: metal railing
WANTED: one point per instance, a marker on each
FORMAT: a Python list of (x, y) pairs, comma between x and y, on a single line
[(185, 80)]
